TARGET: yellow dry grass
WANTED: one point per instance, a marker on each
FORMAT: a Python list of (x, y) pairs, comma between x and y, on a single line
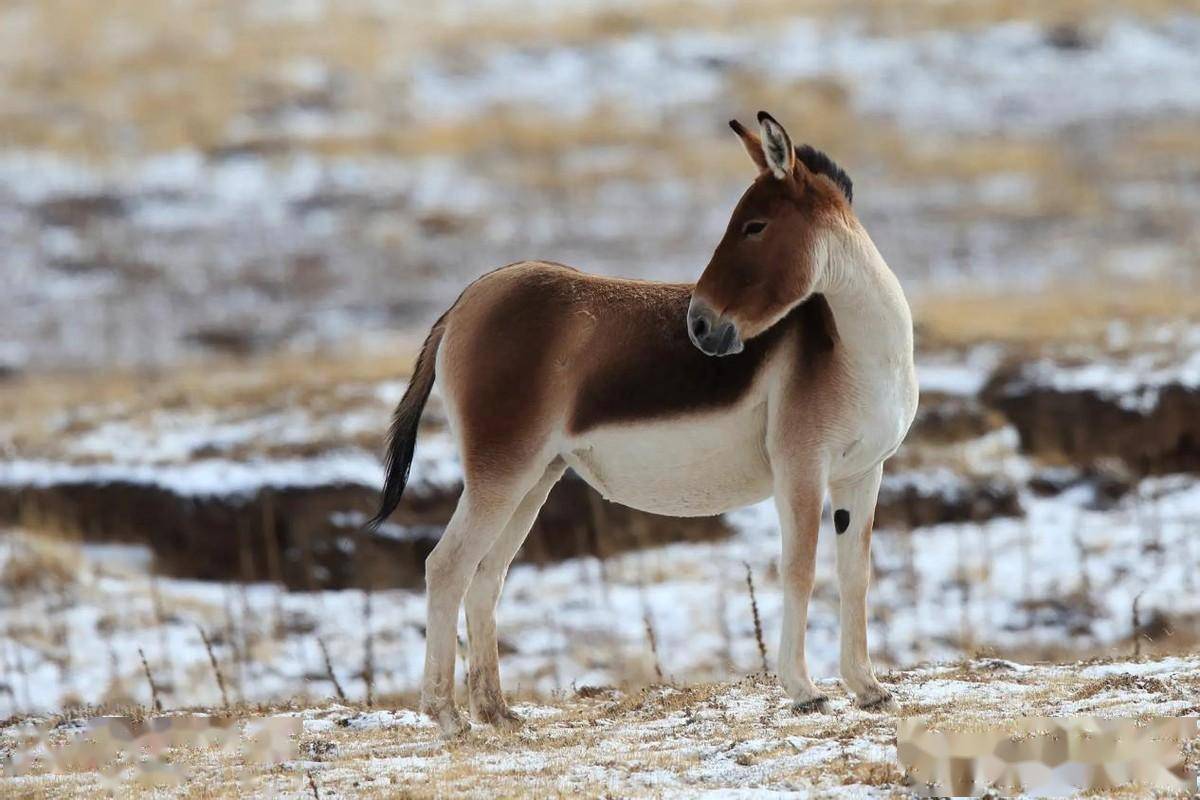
[(37, 564), (656, 741), (1064, 313), (107, 80), (41, 409), (884, 17)]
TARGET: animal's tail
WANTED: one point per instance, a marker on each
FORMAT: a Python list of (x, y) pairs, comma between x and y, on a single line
[(402, 438)]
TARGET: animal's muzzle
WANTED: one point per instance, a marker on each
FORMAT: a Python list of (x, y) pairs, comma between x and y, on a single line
[(714, 335)]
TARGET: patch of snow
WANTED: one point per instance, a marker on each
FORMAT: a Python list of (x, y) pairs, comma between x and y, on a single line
[(963, 375), (1064, 575), (1139, 668), (209, 477), (1005, 78), (400, 718), (1135, 383)]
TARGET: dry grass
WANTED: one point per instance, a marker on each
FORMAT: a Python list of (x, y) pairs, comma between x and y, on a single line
[(532, 148), (45, 412), (1166, 146), (42, 410), (176, 77), (1065, 313), (650, 742), (105, 81), (33, 404), (882, 16), (38, 564)]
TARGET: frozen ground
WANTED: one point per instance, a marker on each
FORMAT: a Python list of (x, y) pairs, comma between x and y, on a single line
[(1135, 381), (338, 187), (733, 738), (1009, 78), (326, 197), (1061, 581)]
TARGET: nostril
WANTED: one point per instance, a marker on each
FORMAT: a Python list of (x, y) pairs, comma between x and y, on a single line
[(727, 338), (700, 327)]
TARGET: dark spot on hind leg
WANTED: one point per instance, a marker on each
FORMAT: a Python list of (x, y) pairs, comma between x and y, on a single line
[(841, 520)]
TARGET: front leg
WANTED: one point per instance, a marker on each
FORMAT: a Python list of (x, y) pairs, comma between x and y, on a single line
[(853, 515), (799, 505)]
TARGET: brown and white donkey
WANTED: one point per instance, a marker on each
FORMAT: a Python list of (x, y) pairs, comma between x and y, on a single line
[(786, 370)]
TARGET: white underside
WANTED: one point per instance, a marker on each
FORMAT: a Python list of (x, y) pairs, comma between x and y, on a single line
[(692, 466)]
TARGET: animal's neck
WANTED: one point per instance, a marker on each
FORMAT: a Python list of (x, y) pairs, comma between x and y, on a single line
[(873, 319)]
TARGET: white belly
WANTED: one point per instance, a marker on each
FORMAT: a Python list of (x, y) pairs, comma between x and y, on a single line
[(697, 466)]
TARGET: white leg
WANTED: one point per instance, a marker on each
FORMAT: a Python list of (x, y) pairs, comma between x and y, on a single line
[(800, 521), (483, 678), (477, 522), (853, 515)]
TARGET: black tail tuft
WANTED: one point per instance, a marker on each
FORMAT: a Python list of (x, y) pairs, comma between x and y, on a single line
[(402, 438)]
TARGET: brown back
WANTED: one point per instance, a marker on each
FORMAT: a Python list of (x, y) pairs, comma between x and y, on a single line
[(650, 370), (536, 339)]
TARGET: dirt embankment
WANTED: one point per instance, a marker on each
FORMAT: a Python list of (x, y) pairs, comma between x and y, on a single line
[(311, 537), (1153, 427)]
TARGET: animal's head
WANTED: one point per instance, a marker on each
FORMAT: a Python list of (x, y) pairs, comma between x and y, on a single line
[(775, 249)]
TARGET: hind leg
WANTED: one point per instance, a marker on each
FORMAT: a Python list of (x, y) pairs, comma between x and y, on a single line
[(483, 511), (483, 679)]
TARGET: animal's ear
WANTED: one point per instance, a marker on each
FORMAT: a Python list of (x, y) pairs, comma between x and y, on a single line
[(777, 147), (752, 144)]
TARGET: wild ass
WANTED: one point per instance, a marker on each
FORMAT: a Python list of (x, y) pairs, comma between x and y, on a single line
[(786, 370)]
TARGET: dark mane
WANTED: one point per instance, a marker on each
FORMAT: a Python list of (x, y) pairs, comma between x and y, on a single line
[(817, 161)]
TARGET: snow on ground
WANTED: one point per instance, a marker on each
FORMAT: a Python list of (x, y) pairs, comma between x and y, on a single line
[(1063, 579), (960, 374), (221, 243), (204, 477), (1007, 78), (1135, 383), (231, 449), (738, 739), (435, 461)]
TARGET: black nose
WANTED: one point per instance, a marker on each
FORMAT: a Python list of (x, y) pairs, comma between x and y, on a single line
[(713, 335)]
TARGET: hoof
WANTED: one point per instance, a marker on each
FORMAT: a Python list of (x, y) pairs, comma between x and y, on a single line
[(501, 718), (882, 702), (816, 705), (449, 720)]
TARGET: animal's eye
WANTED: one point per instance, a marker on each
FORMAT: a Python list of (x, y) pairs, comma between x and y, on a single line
[(753, 226)]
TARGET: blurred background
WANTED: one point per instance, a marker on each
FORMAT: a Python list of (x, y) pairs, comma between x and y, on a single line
[(227, 224)]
